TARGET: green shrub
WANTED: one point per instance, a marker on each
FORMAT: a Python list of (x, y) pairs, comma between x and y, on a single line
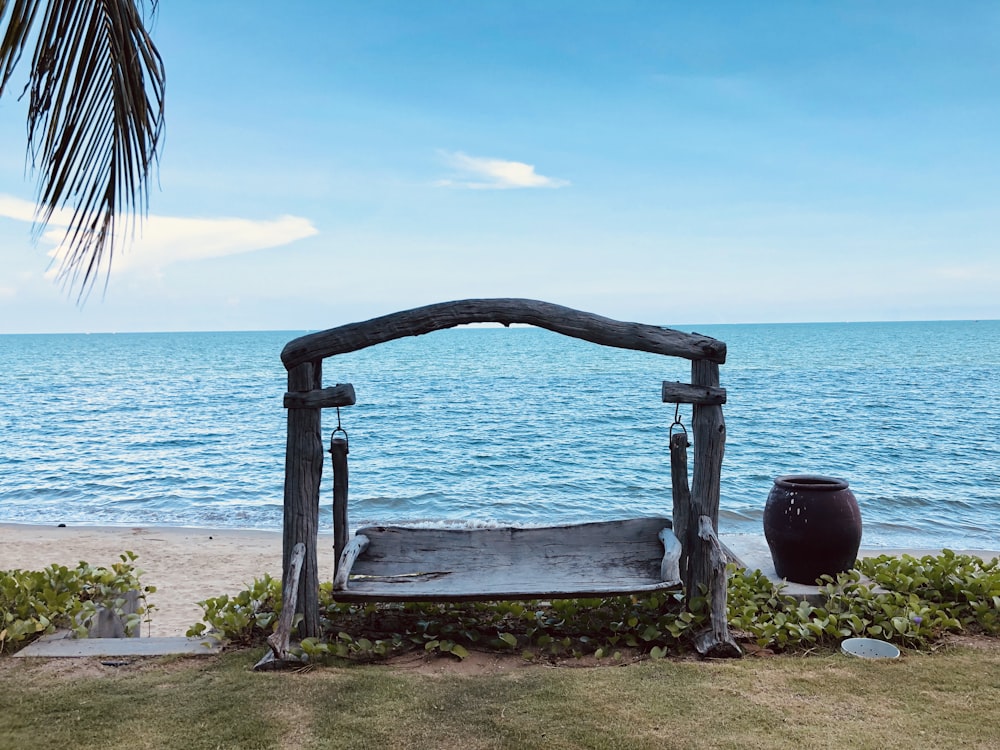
[(965, 587), (656, 623), (33, 603), (909, 601), (245, 619)]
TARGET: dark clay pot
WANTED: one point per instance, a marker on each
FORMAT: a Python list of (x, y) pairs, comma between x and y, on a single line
[(813, 526)]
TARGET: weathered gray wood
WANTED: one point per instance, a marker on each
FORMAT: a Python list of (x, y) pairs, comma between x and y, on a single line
[(670, 565), (341, 394), (109, 621), (564, 320), (582, 560), (709, 433), (684, 393), (338, 455), (684, 530), (303, 470), (270, 663), (346, 559), (279, 639), (715, 641)]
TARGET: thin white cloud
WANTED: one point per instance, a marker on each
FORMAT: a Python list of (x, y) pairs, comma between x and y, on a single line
[(22, 210), (163, 240), (168, 239), (979, 273), (483, 173)]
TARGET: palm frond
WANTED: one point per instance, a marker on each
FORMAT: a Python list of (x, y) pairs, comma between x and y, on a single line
[(95, 119)]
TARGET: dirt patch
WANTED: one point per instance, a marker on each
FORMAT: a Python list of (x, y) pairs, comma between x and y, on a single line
[(476, 663), (58, 669), (91, 667), (981, 642), (489, 662)]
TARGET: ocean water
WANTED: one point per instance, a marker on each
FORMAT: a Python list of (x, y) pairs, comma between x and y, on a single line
[(490, 425)]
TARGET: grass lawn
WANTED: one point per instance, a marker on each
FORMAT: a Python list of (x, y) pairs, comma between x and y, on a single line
[(947, 699)]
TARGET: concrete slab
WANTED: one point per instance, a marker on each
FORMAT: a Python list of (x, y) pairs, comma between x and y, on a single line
[(64, 645)]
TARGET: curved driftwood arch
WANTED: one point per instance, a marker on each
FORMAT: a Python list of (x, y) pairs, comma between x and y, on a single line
[(565, 320), (695, 510)]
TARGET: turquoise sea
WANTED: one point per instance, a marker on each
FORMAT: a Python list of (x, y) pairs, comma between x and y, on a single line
[(489, 425)]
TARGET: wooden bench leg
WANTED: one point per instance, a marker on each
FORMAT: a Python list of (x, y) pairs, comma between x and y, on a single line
[(716, 641), (279, 640)]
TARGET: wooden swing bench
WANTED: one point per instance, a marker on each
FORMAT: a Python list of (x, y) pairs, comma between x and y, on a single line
[(399, 563)]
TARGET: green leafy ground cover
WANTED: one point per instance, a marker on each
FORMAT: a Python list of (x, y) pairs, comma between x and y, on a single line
[(910, 601), (33, 603)]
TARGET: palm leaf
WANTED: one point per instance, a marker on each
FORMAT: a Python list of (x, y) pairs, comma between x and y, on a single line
[(95, 119)]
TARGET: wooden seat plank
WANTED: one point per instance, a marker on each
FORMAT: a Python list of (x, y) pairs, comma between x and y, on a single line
[(581, 560)]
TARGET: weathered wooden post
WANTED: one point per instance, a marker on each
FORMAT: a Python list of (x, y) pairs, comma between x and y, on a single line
[(279, 640), (303, 471), (696, 509), (338, 453), (715, 640), (709, 430), (702, 498), (707, 566), (683, 527)]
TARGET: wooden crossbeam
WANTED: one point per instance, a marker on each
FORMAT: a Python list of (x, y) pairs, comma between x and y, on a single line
[(341, 394), (567, 321), (685, 393)]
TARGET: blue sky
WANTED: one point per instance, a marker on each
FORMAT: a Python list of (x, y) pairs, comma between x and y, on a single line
[(669, 162)]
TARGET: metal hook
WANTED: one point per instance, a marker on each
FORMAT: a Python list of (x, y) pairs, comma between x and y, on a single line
[(677, 423), (337, 429)]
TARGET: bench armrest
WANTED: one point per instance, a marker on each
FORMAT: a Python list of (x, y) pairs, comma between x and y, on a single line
[(670, 567), (355, 547)]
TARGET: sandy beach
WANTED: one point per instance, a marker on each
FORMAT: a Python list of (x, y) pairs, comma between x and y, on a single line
[(186, 565)]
